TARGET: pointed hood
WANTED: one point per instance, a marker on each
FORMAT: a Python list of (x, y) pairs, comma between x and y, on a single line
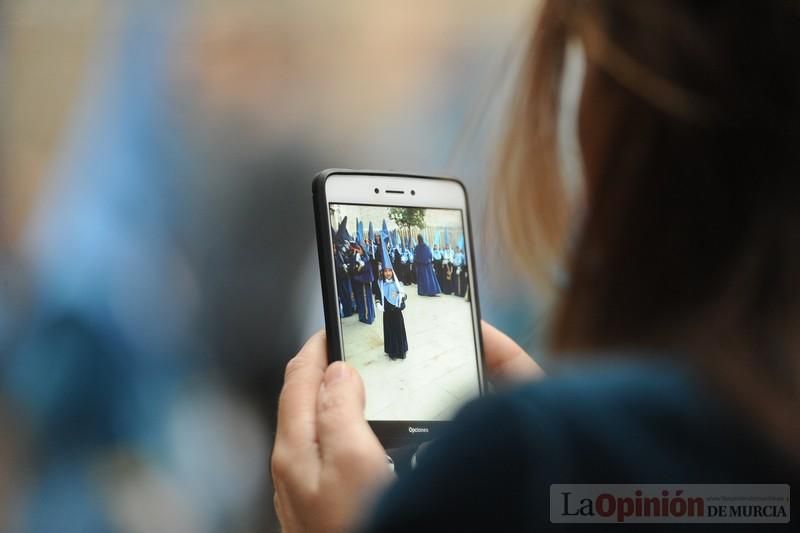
[(461, 242), (371, 234), (360, 233), (385, 239), (342, 236), (446, 238), (437, 239)]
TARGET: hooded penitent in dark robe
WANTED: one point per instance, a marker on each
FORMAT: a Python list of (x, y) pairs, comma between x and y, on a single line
[(343, 286), (427, 284), (412, 274), (461, 277), (448, 270), (404, 266), (400, 268), (362, 278), (376, 264), (437, 264), (392, 299), (436, 252)]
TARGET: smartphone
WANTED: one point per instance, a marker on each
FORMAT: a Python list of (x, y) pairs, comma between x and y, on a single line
[(401, 302)]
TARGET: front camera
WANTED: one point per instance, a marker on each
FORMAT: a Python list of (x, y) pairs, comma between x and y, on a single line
[(413, 192), (377, 190)]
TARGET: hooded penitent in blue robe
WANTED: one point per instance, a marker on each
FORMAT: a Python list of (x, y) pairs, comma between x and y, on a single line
[(361, 239), (427, 284), (437, 247), (385, 238), (392, 299), (459, 259), (371, 243)]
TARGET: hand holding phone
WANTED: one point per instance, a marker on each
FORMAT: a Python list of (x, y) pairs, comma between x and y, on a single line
[(326, 459), (417, 343)]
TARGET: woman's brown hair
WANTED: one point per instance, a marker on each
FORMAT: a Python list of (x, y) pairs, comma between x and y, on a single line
[(689, 233)]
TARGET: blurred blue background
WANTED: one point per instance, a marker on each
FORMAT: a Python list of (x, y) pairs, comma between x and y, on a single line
[(157, 263)]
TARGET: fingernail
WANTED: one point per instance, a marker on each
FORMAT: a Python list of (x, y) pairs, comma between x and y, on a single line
[(337, 371)]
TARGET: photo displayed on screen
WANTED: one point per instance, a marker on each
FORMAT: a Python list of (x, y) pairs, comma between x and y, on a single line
[(402, 280)]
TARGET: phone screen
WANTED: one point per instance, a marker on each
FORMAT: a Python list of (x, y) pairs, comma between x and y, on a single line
[(406, 313)]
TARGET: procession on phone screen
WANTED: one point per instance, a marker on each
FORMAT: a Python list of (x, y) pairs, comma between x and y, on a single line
[(402, 282)]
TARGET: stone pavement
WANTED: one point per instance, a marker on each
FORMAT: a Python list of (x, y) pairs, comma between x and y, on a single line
[(440, 371)]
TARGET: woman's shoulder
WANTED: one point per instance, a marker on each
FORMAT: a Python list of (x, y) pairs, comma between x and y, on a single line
[(633, 420), (628, 388), (617, 421), (596, 398)]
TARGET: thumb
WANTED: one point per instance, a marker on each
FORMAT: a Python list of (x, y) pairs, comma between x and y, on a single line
[(343, 432)]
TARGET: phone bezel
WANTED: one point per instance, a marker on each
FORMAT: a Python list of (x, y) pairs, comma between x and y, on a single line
[(358, 187)]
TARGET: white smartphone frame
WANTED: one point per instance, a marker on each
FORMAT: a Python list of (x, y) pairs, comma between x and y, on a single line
[(407, 191)]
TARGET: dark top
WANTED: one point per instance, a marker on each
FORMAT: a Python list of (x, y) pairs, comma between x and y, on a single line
[(619, 422)]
